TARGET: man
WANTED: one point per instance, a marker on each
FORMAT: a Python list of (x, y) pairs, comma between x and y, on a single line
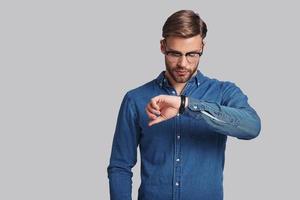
[(180, 121)]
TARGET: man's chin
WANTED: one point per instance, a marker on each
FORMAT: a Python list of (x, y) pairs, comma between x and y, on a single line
[(182, 79)]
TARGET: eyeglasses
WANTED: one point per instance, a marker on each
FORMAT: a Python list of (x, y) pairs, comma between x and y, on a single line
[(174, 56)]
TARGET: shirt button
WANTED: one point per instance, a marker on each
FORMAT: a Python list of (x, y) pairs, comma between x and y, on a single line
[(173, 92), (178, 114), (178, 137), (177, 159), (177, 184)]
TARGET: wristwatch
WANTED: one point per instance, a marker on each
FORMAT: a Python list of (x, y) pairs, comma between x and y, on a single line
[(182, 104)]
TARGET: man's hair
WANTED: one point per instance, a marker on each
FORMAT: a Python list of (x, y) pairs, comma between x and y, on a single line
[(185, 24)]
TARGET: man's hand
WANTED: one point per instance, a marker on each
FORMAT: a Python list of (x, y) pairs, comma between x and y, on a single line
[(162, 107)]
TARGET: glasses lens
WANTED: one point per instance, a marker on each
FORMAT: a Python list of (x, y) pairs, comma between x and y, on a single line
[(193, 57)]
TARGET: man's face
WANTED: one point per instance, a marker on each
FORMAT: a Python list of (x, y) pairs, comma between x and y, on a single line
[(179, 67)]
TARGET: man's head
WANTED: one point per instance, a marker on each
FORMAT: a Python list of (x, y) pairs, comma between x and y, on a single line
[(182, 44)]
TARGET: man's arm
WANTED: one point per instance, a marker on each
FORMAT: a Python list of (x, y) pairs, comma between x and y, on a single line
[(124, 152), (233, 117)]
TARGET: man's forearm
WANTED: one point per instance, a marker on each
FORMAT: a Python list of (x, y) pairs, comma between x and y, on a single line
[(242, 123)]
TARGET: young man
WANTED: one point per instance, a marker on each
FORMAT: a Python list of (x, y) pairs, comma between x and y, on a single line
[(180, 121)]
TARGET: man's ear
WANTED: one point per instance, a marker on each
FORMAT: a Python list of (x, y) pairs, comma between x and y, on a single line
[(162, 46)]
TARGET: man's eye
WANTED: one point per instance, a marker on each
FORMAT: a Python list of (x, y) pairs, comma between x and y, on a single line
[(174, 54), (192, 55)]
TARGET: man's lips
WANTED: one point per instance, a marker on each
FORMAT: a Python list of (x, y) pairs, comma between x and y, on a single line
[(180, 72)]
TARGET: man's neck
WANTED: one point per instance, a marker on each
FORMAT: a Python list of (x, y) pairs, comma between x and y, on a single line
[(177, 86)]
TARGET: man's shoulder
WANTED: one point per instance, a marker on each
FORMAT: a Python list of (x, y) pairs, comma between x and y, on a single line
[(212, 82), (228, 89), (223, 84)]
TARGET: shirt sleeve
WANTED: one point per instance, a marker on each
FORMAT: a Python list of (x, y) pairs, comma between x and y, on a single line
[(124, 151), (233, 117)]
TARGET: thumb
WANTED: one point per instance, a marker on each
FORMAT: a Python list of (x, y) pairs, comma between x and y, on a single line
[(156, 120)]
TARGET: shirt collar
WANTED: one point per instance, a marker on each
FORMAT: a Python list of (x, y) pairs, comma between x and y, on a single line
[(163, 81)]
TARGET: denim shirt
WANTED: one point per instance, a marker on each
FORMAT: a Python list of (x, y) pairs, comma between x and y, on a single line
[(182, 158)]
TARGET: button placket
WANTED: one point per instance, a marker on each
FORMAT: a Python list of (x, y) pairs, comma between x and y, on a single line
[(177, 159)]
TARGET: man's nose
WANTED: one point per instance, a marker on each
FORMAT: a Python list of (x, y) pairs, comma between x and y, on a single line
[(183, 61)]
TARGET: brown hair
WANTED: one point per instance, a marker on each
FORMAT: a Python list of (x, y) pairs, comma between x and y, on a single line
[(184, 23)]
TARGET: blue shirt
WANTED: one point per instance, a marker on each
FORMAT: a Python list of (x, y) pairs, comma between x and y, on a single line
[(181, 158)]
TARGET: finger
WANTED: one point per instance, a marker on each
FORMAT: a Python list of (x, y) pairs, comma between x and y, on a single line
[(150, 115), (152, 110), (154, 102)]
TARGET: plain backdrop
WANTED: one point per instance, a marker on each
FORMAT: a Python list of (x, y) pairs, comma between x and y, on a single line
[(66, 65)]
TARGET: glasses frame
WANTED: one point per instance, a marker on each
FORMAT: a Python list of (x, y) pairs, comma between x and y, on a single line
[(177, 55)]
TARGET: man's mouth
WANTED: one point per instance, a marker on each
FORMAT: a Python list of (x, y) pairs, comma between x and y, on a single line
[(181, 72)]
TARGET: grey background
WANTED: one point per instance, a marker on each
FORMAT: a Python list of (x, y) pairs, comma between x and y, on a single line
[(66, 65)]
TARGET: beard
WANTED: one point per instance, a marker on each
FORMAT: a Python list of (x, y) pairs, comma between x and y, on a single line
[(181, 74)]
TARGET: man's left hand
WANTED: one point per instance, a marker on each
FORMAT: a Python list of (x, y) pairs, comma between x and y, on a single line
[(162, 107)]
